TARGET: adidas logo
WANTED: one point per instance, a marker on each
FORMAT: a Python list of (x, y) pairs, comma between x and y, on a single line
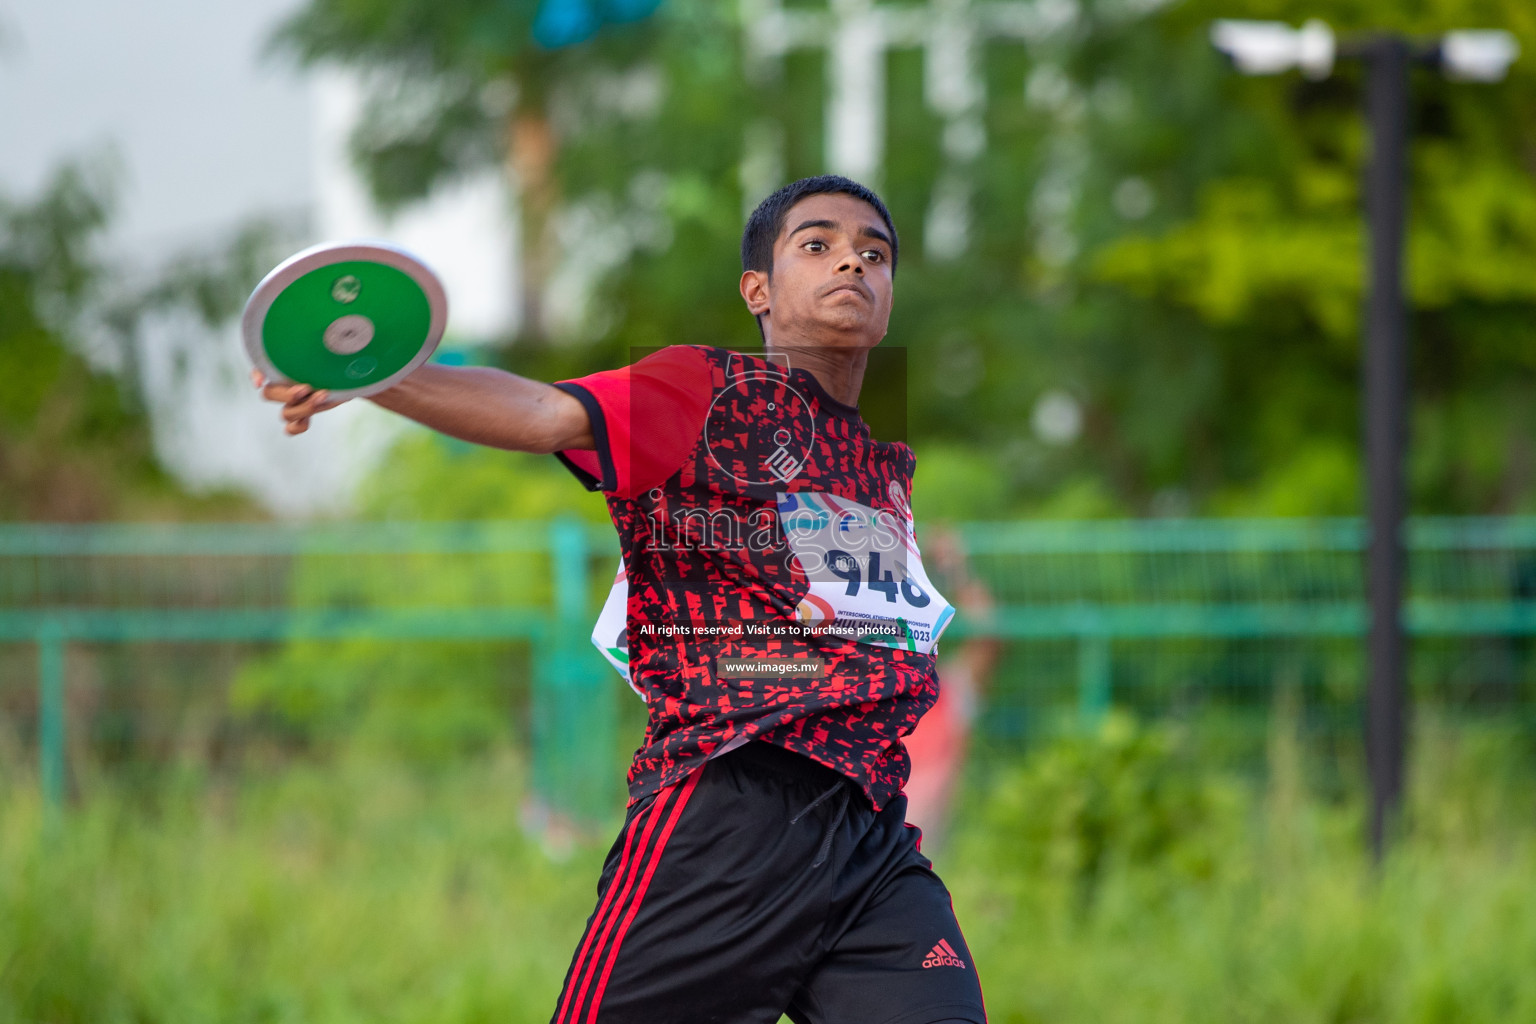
[(943, 956)]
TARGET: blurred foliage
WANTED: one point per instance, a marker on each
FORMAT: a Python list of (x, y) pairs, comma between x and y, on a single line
[(211, 282), (1262, 247), (350, 892), (362, 890), (74, 442), (1174, 247), (452, 85), (1217, 900), (434, 478), (1096, 804), (429, 702)]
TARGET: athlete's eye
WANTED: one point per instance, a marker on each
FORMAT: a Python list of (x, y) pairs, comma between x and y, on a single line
[(815, 245), (873, 255)]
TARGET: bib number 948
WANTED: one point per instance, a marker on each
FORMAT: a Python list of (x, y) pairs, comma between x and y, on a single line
[(846, 567), (863, 571)]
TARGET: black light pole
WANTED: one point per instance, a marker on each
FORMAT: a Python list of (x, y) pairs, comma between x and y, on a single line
[(1388, 60), (1272, 47)]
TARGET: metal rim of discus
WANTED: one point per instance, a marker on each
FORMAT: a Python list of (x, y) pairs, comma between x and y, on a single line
[(348, 334)]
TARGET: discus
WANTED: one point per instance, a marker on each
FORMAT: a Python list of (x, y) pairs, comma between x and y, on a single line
[(352, 318)]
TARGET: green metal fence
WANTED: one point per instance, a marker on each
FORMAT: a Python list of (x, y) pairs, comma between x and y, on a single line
[(1207, 618), (141, 584), (1191, 617)]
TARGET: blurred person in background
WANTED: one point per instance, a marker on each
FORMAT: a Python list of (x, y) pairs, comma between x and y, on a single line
[(941, 741)]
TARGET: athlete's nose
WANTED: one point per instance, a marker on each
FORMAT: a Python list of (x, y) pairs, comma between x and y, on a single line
[(851, 261)]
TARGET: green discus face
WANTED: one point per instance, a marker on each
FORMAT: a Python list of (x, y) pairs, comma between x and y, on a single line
[(352, 319), (347, 325)]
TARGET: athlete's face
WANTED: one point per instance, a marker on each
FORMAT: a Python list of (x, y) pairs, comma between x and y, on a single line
[(831, 280)]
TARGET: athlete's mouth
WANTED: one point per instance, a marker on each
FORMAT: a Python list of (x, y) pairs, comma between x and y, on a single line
[(857, 287)]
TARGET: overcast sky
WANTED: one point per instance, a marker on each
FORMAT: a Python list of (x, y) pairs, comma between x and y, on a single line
[(207, 131)]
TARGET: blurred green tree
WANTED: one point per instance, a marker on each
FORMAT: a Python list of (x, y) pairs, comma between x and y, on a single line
[(74, 442), (429, 702), (463, 85), (1257, 246), (1156, 308)]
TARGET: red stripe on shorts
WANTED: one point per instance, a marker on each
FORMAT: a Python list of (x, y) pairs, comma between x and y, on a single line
[(609, 908), (650, 869)]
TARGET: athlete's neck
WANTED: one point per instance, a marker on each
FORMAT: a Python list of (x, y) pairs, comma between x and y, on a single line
[(839, 371)]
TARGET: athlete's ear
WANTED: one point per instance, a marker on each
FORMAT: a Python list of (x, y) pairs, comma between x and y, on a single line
[(754, 290)]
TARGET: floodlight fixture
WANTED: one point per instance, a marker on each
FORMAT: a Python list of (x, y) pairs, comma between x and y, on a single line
[(1273, 47), (1477, 55)]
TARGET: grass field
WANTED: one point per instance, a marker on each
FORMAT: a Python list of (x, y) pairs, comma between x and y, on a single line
[(1101, 880)]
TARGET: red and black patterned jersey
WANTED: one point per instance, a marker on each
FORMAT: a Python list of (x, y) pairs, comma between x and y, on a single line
[(694, 447)]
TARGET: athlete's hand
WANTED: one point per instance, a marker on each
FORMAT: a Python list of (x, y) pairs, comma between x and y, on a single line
[(300, 401)]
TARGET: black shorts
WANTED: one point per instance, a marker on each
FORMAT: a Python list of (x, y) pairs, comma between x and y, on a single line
[(765, 884)]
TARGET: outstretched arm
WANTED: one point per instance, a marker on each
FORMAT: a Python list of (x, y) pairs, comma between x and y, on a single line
[(473, 403)]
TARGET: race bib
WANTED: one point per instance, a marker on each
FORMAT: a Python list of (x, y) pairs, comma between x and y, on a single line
[(610, 634), (865, 572)]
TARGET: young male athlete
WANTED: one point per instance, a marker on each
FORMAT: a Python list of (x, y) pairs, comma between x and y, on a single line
[(780, 627)]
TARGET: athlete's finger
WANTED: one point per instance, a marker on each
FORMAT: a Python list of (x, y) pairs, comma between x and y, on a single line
[(322, 402), (306, 404), (294, 404), (284, 393)]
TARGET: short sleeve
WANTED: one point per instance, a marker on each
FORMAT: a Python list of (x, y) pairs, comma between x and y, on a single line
[(646, 419)]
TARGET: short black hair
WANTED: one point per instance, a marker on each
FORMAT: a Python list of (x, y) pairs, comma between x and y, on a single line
[(767, 221)]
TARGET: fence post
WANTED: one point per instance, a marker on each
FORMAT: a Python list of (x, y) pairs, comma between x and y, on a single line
[(1093, 680), (50, 719), (573, 714)]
